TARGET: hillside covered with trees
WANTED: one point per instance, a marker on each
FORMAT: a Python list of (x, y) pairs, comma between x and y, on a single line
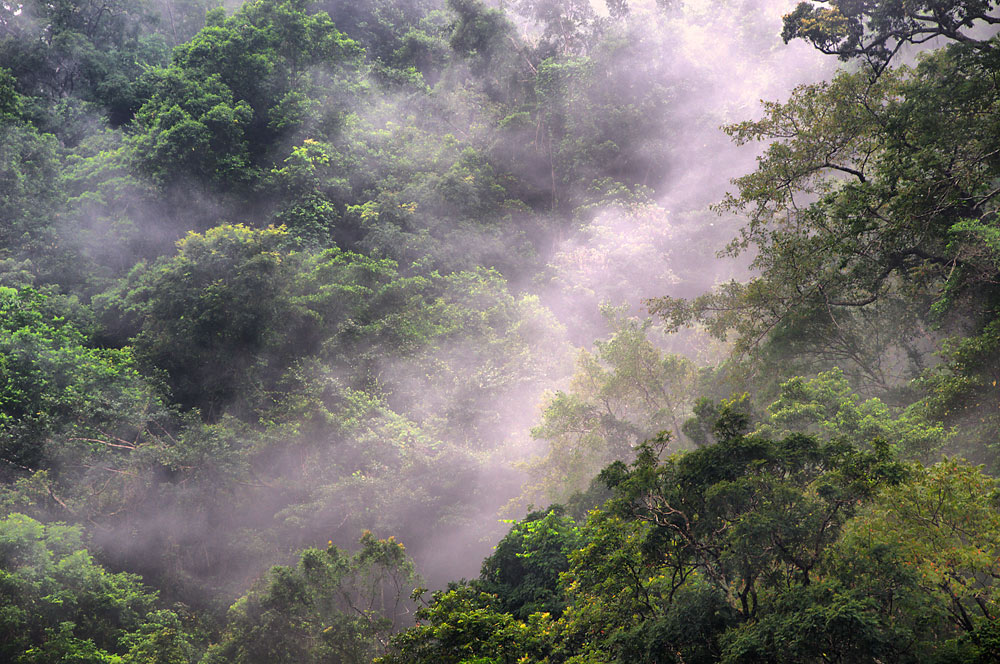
[(467, 332)]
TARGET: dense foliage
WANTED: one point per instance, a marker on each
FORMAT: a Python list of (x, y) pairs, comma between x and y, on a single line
[(276, 274)]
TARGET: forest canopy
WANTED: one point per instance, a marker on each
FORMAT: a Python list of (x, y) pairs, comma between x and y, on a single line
[(454, 331)]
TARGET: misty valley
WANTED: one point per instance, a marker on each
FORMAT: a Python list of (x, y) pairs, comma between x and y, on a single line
[(499, 331)]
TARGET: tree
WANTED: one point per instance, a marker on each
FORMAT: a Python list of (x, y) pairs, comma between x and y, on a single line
[(960, 392), (194, 320), (461, 626), (860, 212), (747, 513), (396, 36), (59, 605), (568, 28), (333, 606), (237, 89), (88, 50), (875, 31), (911, 578), (523, 571), (479, 32), (825, 406), (219, 348), (58, 394), (942, 526), (31, 198), (623, 393), (193, 128)]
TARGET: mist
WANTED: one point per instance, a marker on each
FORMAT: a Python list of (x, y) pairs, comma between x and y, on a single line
[(718, 67), (711, 64), (348, 280)]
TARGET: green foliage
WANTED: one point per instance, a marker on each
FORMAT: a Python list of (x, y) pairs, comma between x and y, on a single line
[(195, 320), (744, 550), (348, 456), (221, 349), (479, 32), (623, 393), (826, 406), (875, 31), (935, 537), (332, 606), (395, 35), (56, 392), (748, 513), (235, 90), (161, 639), (93, 52), (905, 581), (461, 626), (111, 214), (599, 115), (30, 198), (316, 397), (859, 212), (961, 390), (366, 349), (523, 572), (193, 128), (58, 605), (313, 179), (9, 101)]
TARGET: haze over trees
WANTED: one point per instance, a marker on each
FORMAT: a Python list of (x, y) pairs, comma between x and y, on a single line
[(308, 307)]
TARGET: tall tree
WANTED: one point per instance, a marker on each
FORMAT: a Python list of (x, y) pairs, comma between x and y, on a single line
[(875, 31), (863, 213)]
